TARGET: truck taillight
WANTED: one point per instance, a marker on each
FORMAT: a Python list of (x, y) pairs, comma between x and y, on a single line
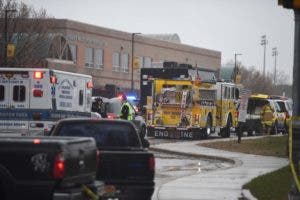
[(151, 163), (38, 75), (37, 93), (59, 167)]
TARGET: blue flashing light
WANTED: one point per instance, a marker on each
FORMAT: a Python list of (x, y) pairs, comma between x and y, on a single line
[(132, 98)]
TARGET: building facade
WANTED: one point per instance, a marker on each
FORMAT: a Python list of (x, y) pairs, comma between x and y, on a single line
[(106, 54)]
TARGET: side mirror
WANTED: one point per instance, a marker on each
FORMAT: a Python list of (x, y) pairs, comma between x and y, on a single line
[(145, 143)]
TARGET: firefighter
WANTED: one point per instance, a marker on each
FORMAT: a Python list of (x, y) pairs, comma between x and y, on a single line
[(127, 111), (267, 118)]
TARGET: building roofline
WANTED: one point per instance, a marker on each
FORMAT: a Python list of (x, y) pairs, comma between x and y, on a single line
[(94, 29)]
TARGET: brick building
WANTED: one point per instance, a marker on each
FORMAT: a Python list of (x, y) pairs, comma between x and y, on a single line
[(106, 54)]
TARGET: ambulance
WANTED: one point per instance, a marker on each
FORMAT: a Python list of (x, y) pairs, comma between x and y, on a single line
[(32, 99)]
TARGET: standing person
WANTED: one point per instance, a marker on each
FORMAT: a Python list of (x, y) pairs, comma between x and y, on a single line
[(267, 118), (102, 109), (127, 111), (99, 107), (96, 105)]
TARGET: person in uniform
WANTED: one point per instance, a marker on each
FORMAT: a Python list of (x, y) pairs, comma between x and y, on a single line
[(267, 118), (127, 111)]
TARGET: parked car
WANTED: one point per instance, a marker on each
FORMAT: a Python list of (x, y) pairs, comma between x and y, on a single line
[(47, 168), (286, 111), (254, 110), (125, 165)]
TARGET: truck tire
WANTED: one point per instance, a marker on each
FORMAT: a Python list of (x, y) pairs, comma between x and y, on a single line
[(225, 132)]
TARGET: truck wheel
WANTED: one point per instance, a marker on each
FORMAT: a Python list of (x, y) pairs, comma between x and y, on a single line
[(249, 133), (225, 132)]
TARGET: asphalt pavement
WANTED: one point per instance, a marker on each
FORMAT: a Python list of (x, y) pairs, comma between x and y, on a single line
[(220, 184)]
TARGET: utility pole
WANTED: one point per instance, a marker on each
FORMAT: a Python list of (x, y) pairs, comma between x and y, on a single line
[(235, 67), (275, 54), (132, 60), (294, 134), (5, 35), (264, 44)]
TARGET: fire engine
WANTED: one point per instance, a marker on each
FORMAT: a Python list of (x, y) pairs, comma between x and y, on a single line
[(191, 109)]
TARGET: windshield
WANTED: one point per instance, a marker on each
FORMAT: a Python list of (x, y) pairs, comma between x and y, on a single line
[(106, 135)]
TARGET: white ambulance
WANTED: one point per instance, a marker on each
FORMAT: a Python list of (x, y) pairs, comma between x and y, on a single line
[(32, 99)]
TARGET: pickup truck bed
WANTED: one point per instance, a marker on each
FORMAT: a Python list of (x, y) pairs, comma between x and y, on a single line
[(123, 162), (45, 168)]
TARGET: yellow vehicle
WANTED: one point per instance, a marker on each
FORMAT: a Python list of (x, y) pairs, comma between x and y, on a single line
[(181, 109), (254, 115), (227, 111)]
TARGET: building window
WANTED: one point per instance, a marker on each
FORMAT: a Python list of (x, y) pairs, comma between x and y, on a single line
[(89, 58), (2, 92), (73, 49), (80, 97), (19, 93), (147, 62), (99, 58), (116, 62), (125, 62)]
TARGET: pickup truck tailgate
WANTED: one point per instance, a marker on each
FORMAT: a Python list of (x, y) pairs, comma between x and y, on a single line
[(127, 166), (39, 156)]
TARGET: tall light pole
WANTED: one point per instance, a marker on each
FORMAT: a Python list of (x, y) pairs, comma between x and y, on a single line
[(132, 59), (5, 35), (275, 54), (235, 66), (264, 43)]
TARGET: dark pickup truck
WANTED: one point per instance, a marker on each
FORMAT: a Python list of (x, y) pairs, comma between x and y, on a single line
[(46, 168), (125, 166)]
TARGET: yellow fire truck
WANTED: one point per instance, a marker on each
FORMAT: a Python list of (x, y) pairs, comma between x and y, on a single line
[(185, 109), (227, 108)]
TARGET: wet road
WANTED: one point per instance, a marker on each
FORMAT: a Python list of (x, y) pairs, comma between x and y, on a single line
[(171, 166)]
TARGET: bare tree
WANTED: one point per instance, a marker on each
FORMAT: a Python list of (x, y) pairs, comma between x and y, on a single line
[(28, 30), (257, 83)]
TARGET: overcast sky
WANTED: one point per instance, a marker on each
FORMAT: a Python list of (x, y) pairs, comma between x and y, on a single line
[(229, 26)]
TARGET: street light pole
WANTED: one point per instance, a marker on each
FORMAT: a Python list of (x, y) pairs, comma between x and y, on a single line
[(5, 35), (264, 43), (132, 60), (235, 67), (275, 54)]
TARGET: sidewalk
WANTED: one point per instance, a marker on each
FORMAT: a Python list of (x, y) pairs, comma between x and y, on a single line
[(221, 184)]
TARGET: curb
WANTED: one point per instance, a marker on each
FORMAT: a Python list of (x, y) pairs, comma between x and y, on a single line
[(246, 194), (232, 161)]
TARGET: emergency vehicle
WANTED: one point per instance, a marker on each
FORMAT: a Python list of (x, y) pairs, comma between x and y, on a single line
[(32, 99), (181, 109), (227, 111), (254, 112), (186, 109)]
